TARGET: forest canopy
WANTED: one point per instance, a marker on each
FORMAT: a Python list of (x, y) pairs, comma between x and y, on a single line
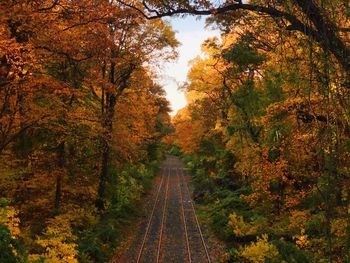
[(81, 124), (84, 125), (266, 130)]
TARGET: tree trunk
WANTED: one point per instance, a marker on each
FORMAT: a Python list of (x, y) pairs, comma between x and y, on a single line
[(108, 124), (108, 114), (59, 176), (103, 89), (24, 144), (110, 100), (103, 176)]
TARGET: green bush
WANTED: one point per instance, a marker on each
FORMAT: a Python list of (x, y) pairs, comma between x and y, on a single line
[(290, 253), (9, 247), (100, 237)]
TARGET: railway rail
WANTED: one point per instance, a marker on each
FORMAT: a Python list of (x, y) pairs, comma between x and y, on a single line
[(150, 221), (196, 219), (172, 232)]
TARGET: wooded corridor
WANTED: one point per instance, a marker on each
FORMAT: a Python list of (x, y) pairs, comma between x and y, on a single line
[(255, 168)]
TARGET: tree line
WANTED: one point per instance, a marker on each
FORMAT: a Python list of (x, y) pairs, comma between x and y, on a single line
[(81, 125), (266, 131)]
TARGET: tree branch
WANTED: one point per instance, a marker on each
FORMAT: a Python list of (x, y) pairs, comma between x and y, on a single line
[(65, 54), (324, 32), (55, 2)]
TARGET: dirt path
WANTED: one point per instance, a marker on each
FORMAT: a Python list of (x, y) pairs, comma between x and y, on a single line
[(170, 232)]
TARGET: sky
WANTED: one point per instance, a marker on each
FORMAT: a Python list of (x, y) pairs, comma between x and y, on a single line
[(190, 32)]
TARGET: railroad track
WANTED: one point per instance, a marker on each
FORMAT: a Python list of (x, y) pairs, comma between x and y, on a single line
[(172, 232), (189, 201), (149, 224)]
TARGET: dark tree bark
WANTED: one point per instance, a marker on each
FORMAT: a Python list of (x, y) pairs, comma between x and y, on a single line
[(107, 123), (100, 201), (61, 161), (108, 126), (103, 88)]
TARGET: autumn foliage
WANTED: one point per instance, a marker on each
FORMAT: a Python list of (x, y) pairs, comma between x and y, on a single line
[(266, 135), (81, 123)]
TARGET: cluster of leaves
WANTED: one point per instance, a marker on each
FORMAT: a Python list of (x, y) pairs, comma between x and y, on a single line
[(81, 124), (266, 136), (98, 236), (9, 232)]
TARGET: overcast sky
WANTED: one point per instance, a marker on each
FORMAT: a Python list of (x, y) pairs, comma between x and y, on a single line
[(191, 33)]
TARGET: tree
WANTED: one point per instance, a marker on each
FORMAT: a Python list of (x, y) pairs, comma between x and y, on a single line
[(128, 52), (73, 75), (272, 160), (314, 19)]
